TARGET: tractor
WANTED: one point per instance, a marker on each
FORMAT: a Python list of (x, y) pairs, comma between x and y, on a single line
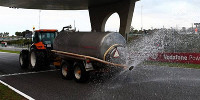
[(39, 54), (75, 53)]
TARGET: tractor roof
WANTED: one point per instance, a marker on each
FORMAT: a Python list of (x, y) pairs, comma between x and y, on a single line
[(46, 30)]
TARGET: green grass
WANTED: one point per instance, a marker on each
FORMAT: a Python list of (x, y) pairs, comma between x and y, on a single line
[(10, 51), (8, 94), (182, 65)]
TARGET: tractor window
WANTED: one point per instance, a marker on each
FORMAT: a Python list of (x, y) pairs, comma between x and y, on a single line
[(53, 37), (47, 38), (36, 37)]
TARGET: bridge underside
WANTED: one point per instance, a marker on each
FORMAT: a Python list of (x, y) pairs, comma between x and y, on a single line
[(99, 10)]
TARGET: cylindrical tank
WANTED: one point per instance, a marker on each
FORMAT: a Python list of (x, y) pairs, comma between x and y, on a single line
[(95, 44)]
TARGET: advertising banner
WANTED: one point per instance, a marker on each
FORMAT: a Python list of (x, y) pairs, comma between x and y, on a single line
[(192, 58)]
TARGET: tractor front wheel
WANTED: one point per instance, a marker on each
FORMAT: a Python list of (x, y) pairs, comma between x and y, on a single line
[(23, 59)]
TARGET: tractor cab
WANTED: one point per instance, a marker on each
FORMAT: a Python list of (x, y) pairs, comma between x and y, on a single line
[(44, 38), (39, 55)]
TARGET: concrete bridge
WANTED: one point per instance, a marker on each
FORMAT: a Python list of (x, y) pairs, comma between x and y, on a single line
[(99, 10)]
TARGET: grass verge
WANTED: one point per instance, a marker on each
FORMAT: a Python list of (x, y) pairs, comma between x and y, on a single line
[(8, 94), (182, 65), (10, 51)]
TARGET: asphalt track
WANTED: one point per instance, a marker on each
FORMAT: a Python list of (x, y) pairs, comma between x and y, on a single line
[(142, 83)]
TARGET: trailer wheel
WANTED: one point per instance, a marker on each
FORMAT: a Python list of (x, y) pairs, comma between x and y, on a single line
[(66, 70), (80, 74), (23, 59), (37, 59)]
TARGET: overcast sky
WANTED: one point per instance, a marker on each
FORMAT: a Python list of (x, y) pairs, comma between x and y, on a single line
[(155, 14)]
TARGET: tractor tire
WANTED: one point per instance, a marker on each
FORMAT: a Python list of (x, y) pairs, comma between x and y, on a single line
[(58, 67), (38, 60), (80, 74), (23, 59), (66, 70)]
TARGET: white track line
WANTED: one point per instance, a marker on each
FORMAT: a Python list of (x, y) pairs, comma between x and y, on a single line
[(15, 74), (17, 91)]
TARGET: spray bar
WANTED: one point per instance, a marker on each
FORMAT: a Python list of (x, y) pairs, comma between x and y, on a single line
[(92, 58)]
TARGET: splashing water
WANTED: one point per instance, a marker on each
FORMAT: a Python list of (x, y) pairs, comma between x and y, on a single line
[(141, 49), (163, 40), (145, 47), (160, 41)]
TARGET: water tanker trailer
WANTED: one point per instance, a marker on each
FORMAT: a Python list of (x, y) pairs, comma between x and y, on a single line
[(82, 51)]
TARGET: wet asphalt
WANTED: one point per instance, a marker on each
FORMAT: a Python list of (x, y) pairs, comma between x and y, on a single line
[(142, 83)]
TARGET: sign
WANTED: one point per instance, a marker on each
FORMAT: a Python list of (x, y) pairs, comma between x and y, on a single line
[(116, 54), (192, 58)]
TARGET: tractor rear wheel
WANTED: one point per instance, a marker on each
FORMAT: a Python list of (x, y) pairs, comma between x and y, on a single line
[(38, 60), (23, 59)]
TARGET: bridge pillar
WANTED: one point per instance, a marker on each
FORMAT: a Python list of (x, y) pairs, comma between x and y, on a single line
[(100, 14)]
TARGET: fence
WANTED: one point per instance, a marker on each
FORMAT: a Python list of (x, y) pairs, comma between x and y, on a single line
[(20, 45), (16, 47)]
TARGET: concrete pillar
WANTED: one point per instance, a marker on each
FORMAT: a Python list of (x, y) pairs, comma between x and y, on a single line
[(100, 14)]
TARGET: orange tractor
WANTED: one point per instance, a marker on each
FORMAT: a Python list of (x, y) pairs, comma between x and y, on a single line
[(39, 55)]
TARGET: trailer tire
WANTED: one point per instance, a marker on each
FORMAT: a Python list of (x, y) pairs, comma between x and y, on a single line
[(23, 59), (80, 74), (66, 70), (38, 60)]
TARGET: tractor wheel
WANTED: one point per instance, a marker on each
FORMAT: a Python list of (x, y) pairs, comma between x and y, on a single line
[(66, 70), (38, 60), (57, 67), (23, 59), (80, 74)]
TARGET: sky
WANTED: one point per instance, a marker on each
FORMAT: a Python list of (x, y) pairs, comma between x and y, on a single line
[(147, 14)]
